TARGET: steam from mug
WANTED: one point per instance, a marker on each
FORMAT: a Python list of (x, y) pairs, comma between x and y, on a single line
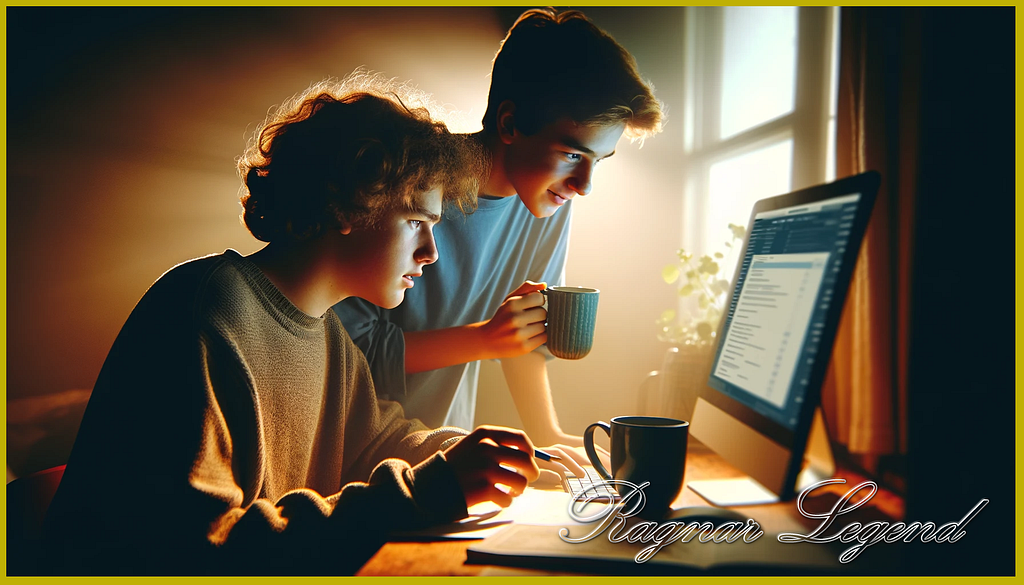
[(572, 315)]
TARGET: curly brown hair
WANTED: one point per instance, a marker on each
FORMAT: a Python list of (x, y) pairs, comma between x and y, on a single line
[(352, 151)]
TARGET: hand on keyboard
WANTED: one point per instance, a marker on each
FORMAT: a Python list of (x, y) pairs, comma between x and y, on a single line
[(574, 485), (569, 459), (548, 479)]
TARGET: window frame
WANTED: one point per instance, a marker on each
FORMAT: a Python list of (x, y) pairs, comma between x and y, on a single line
[(807, 124)]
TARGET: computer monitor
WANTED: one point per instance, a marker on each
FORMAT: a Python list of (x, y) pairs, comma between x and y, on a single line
[(760, 409)]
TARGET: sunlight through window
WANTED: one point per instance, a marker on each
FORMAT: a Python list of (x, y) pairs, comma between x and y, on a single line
[(758, 66), (735, 184)]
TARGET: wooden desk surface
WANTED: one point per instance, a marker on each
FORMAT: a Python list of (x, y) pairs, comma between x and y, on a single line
[(448, 557)]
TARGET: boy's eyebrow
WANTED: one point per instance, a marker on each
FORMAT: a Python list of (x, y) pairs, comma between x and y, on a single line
[(426, 213), (577, 145)]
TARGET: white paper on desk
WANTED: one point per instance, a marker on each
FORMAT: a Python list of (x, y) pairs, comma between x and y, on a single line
[(536, 507)]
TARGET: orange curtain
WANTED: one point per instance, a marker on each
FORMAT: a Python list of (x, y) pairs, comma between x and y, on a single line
[(865, 392)]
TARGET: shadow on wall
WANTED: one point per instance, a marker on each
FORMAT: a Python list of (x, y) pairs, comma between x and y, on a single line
[(123, 129), (42, 429)]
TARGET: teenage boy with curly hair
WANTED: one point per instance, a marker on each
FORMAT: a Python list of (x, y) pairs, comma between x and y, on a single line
[(562, 94), (234, 427)]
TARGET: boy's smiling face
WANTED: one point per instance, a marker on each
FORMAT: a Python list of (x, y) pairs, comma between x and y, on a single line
[(549, 168), (388, 256)]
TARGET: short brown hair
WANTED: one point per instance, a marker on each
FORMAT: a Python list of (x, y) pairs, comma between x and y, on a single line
[(351, 151), (534, 69)]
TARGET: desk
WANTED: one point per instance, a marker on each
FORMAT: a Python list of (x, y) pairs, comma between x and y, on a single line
[(448, 557)]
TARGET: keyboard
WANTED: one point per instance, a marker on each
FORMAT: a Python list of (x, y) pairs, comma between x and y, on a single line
[(574, 485)]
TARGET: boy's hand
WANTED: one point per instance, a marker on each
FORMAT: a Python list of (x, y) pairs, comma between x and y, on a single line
[(489, 456), (571, 460), (517, 327), (573, 444)]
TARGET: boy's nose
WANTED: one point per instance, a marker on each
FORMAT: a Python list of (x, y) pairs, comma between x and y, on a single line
[(427, 253), (581, 181)]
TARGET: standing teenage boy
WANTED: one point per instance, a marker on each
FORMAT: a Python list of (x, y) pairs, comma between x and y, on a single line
[(234, 427), (562, 94)]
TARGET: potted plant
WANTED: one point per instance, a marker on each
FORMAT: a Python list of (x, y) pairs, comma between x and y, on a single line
[(692, 329)]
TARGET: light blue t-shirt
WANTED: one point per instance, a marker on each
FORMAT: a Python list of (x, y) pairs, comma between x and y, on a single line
[(482, 257)]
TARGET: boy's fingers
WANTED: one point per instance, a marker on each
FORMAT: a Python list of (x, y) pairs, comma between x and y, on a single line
[(520, 461), (505, 454), (534, 330), (571, 460), (525, 302), (531, 300), (493, 494), (547, 477), (534, 341), (504, 436), (532, 316), (509, 477), (527, 288)]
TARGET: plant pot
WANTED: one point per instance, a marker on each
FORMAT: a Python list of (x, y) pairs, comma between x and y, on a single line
[(683, 376)]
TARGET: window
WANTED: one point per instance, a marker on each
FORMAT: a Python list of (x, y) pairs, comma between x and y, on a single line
[(759, 113)]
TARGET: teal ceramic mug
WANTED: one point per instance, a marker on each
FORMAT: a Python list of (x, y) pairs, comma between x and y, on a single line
[(572, 314)]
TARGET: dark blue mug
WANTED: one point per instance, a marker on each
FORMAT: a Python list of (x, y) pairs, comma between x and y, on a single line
[(645, 449)]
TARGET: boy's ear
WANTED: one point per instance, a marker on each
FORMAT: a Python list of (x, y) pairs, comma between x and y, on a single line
[(507, 121)]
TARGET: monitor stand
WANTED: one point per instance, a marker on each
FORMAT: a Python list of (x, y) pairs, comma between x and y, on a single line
[(819, 464)]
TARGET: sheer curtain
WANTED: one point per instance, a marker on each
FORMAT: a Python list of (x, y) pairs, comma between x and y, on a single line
[(865, 393)]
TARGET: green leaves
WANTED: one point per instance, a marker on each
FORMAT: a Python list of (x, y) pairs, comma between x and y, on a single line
[(720, 287), (670, 273), (697, 278), (707, 265), (738, 231)]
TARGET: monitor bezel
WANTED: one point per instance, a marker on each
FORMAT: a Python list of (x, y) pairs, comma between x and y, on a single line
[(866, 185)]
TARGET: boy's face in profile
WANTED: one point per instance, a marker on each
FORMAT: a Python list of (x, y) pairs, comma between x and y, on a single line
[(387, 256), (549, 168)]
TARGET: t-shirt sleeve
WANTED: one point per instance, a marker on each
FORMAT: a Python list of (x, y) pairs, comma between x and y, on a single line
[(381, 341)]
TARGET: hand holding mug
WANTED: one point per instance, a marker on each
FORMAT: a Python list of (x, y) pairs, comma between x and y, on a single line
[(517, 327)]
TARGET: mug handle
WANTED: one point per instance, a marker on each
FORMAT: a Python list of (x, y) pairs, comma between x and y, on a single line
[(588, 444)]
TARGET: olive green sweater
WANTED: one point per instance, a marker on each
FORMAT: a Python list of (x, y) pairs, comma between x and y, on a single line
[(229, 432)]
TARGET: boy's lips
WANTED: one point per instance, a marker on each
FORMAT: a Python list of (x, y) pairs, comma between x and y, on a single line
[(559, 199), (407, 278)]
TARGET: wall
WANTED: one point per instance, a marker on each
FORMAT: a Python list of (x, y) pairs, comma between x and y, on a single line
[(123, 126), (622, 235)]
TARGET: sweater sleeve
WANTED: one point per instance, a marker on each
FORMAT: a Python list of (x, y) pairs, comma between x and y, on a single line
[(307, 532)]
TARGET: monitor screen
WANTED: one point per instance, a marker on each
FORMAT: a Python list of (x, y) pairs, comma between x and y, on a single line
[(759, 410), (784, 286)]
